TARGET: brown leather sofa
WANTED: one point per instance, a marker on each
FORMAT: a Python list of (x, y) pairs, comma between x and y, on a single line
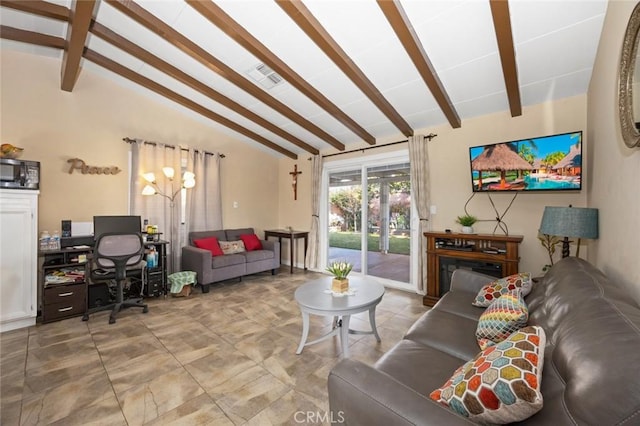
[(591, 362), (211, 269)]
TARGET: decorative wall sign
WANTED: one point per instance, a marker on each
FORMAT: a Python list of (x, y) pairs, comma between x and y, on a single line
[(78, 164), (294, 175)]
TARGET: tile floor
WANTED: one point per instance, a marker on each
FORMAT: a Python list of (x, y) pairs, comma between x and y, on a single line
[(222, 358)]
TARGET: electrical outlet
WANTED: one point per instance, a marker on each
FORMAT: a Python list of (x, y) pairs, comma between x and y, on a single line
[(433, 210), (235, 204)]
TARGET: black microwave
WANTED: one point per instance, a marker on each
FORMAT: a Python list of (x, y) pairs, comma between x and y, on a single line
[(19, 174)]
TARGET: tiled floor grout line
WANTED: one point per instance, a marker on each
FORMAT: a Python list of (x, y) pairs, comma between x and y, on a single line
[(256, 319)]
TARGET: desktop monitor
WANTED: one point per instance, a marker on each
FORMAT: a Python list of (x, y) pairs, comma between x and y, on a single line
[(124, 224)]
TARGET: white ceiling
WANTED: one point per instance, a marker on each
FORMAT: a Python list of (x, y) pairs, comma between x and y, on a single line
[(555, 45)]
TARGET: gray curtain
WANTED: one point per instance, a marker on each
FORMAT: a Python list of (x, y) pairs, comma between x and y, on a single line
[(152, 157), (420, 185), (314, 233), (204, 201)]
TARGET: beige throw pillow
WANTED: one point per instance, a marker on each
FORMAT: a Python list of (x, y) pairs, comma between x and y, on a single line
[(231, 247)]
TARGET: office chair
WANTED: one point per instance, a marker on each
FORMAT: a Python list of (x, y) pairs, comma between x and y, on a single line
[(115, 255)]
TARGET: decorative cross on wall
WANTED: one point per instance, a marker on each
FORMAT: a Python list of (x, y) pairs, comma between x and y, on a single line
[(294, 176)]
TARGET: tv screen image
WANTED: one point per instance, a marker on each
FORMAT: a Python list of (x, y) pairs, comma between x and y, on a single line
[(547, 163)]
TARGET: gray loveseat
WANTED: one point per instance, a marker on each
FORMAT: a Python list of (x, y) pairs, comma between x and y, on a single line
[(591, 361), (211, 269)]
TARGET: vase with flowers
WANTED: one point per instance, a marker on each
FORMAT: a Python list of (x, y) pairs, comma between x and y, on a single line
[(340, 269)]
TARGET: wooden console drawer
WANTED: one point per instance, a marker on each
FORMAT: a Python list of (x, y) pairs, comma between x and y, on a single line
[(64, 301), (64, 293), (62, 310)]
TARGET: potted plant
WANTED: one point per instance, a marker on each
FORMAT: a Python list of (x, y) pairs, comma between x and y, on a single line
[(467, 222), (340, 270)]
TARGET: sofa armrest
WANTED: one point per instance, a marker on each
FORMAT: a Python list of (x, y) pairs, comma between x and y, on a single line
[(273, 246), (197, 260), (469, 281), (361, 395)]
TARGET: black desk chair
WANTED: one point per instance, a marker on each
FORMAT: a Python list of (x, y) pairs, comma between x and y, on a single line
[(116, 256)]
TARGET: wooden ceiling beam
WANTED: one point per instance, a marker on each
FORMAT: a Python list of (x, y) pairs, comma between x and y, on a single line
[(39, 39), (182, 100), (504, 36), (401, 25), (40, 8), (77, 31), (137, 52), (24, 36), (303, 17), (219, 18), (156, 25)]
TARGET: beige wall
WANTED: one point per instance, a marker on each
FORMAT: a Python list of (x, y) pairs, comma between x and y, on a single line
[(615, 169), (53, 126), (451, 186), (450, 181), (90, 122), (294, 213)]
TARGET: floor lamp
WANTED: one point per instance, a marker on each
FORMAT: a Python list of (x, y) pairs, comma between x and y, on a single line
[(152, 188), (570, 222)]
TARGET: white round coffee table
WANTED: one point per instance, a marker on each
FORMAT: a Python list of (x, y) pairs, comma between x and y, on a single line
[(313, 298)]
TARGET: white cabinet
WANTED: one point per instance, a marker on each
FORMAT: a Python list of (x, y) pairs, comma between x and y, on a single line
[(18, 258)]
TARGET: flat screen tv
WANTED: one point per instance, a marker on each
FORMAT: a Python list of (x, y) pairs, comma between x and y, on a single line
[(547, 163)]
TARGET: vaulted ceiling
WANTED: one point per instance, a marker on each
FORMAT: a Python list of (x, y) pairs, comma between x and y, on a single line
[(296, 77)]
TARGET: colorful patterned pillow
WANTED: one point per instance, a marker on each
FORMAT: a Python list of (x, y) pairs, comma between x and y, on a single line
[(497, 288), (504, 315), (231, 247), (502, 383)]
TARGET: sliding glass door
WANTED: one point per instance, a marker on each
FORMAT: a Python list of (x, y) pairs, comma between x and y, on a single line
[(345, 217), (368, 217), (389, 222)]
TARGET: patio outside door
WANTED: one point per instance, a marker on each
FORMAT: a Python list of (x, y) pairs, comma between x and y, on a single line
[(345, 217), (369, 219), (389, 222)]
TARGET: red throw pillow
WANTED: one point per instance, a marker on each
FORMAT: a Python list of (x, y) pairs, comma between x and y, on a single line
[(211, 244), (251, 242)]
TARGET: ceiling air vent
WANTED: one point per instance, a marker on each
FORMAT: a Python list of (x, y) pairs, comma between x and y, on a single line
[(265, 76)]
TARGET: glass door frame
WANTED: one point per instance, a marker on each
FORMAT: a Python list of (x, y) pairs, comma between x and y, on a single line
[(364, 163)]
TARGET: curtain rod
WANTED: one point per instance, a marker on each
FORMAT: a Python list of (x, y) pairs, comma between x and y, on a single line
[(130, 140), (429, 136)]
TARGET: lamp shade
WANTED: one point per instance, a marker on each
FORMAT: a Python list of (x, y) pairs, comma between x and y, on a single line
[(575, 222), (168, 172), (148, 190), (149, 177)]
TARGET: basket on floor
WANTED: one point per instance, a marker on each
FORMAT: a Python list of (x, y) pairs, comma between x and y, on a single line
[(181, 283)]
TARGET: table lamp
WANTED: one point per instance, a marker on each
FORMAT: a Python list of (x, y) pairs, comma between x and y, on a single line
[(574, 222)]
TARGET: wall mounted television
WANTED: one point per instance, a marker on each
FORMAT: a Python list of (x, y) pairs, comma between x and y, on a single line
[(547, 163)]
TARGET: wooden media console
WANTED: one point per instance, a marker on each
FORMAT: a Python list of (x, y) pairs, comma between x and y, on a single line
[(495, 255)]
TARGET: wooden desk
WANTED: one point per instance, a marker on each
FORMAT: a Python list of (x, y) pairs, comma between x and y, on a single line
[(292, 236), (69, 296)]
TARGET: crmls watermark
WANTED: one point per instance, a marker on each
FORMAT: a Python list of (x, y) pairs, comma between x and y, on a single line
[(319, 417)]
